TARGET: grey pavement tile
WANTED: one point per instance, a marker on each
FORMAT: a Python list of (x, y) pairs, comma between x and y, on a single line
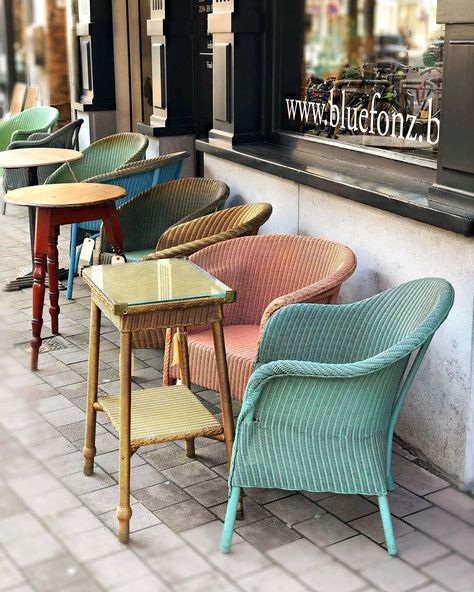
[(166, 457), (296, 508), (209, 493), (141, 518), (65, 416), (253, 512), (445, 528), (184, 515), (222, 470), (358, 553), (348, 507), (52, 502), (104, 441), (151, 542), (52, 404), (51, 448), (103, 500), (403, 502), (242, 560), (267, 534), (19, 526), (37, 433), (117, 569), (33, 549), (79, 483), (372, 527), (67, 464), (149, 583), (265, 496), (56, 574), (92, 544), (10, 504), (417, 549), (109, 461), (299, 556), (453, 571), (213, 454), (161, 495), (431, 588), (74, 432), (393, 575), (143, 476), (189, 474), (179, 564), (209, 582), (72, 522), (324, 530), (86, 585), (33, 485), (71, 357), (271, 579), (415, 478), (455, 502), (142, 375), (9, 575), (206, 538), (332, 576), (398, 449), (72, 391), (63, 378)]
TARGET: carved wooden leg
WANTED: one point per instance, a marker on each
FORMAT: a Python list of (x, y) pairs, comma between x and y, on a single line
[(92, 384), (185, 376), (112, 229), (124, 512), (53, 278), (41, 248)]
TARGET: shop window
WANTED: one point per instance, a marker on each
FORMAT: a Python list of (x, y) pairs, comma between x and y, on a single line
[(363, 72)]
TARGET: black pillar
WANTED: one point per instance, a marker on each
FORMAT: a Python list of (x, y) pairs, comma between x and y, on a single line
[(454, 187)]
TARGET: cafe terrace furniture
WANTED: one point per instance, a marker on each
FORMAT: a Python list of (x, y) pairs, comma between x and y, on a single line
[(17, 99), (151, 294), (134, 177), (56, 205), (267, 272), (321, 406), (66, 137), (22, 125), (31, 159), (147, 216)]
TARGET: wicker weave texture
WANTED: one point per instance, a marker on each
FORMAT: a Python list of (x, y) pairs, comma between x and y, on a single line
[(146, 217), (22, 125), (267, 272), (320, 408)]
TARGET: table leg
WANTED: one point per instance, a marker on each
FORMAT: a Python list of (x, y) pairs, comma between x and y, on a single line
[(124, 511), (89, 449), (53, 278), (113, 230), (185, 376), (32, 181), (41, 249)]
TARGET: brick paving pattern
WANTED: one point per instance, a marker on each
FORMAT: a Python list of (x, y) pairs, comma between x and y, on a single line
[(57, 526)]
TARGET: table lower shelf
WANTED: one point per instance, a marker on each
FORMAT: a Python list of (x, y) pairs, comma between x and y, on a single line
[(163, 415)]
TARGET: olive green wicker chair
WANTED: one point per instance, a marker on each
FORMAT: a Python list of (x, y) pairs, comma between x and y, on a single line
[(321, 405), (147, 216), (21, 126)]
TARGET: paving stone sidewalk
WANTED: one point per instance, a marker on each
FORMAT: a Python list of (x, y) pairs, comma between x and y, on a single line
[(57, 526)]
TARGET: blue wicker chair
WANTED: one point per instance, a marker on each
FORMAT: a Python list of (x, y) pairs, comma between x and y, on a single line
[(320, 409)]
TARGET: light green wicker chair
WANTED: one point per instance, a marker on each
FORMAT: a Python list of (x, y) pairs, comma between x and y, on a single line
[(320, 409), (21, 126)]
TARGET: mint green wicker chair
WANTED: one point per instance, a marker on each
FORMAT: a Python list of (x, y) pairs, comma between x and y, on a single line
[(321, 406), (22, 125)]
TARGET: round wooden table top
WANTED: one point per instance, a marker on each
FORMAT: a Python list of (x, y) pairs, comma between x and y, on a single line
[(65, 195), (24, 158)]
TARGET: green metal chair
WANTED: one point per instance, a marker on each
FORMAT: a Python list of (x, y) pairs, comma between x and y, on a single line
[(321, 406), (21, 126)]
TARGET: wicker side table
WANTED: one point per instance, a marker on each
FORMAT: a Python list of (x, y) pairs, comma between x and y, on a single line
[(169, 293)]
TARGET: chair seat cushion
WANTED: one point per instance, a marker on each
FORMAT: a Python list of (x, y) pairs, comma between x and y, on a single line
[(241, 343)]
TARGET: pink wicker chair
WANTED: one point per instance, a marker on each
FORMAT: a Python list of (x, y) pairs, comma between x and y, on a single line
[(268, 272)]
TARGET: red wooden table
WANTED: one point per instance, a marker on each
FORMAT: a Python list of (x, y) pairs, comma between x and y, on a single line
[(64, 203)]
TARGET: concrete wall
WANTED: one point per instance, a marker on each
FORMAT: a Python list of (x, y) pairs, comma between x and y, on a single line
[(437, 418)]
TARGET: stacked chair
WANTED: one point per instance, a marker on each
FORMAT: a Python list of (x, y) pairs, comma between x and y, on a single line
[(21, 126)]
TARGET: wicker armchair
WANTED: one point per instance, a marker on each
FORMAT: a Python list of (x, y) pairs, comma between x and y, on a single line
[(320, 409), (182, 240), (135, 177), (147, 216), (22, 125), (268, 272)]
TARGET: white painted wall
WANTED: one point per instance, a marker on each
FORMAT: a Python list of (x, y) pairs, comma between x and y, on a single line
[(436, 418)]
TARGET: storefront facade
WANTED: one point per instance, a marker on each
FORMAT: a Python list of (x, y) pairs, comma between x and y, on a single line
[(354, 119)]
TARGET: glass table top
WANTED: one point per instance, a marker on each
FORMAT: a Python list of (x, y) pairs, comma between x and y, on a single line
[(154, 282)]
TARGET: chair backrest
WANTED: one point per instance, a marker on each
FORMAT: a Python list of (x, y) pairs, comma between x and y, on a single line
[(66, 137), (18, 98), (223, 225), (101, 157), (31, 98), (145, 217), (22, 125), (262, 268)]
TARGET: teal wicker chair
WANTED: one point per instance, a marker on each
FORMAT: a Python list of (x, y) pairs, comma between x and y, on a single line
[(21, 126), (146, 217), (135, 177), (321, 405)]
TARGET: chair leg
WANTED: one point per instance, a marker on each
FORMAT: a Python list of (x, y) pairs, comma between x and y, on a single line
[(387, 524), (72, 261), (226, 540), (390, 481)]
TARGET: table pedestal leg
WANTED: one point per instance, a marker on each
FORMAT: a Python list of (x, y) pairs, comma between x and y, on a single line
[(185, 377), (89, 449), (124, 511), (53, 278)]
